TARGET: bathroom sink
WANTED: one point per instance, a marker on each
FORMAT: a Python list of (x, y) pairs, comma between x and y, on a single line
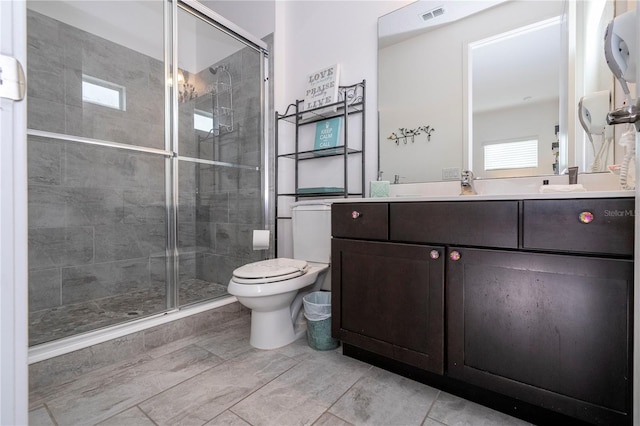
[(592, 183)]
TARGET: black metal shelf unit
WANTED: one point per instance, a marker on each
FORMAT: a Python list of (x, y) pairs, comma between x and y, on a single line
[(351, 101)]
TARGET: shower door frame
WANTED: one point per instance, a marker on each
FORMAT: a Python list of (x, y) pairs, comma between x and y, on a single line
[(173, 310), (199, 11)]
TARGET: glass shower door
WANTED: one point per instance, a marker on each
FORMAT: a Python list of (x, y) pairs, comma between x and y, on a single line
[(145, 182), (97, 162), (220, 149)]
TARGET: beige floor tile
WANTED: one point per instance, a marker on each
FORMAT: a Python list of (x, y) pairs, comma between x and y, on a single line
[(328, 419), (217, 378), (300, 350), (383, 398), (302, 394), (230, 339), (40, 395), (227, 419), (431, 422), (131, 417), (40, 417), (205, 396), (454, 411), (173, 346), (97, 398)]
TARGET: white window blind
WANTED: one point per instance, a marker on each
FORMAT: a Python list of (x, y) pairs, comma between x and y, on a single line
[(103, 93), (511, 155)]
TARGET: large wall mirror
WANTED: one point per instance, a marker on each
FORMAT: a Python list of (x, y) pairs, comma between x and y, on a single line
[(491, 86)]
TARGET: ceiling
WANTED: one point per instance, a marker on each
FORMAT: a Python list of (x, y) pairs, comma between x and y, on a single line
[(408, 21)]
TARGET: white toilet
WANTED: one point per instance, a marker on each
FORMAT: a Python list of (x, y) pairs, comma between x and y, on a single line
[(273, 289)]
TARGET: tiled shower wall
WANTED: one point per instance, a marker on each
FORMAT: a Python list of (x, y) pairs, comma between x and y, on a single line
[(96, 214), (227, 201)]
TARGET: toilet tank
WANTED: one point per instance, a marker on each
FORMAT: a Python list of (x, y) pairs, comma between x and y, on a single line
[(311, 225)]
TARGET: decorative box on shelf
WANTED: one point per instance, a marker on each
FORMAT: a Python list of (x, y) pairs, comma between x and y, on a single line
[(328, 133)]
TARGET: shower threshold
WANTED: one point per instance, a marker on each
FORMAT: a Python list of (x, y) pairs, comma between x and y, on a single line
[(51, 324)]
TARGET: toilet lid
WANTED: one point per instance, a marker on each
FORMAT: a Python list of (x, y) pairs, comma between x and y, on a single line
[(280, 268)]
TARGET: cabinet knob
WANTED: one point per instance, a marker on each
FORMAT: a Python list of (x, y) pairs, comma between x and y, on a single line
[(586, 217), (455, 255), (434, 254), (355, 214)]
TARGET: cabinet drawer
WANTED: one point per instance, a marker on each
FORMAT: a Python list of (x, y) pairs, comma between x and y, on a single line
[(599, 225), (369, 221), (474, 223)]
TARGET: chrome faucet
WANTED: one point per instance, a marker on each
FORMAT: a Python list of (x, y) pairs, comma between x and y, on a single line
[(466, 183), (396, 179)]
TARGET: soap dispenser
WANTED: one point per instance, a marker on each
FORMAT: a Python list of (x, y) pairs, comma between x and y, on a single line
[(379, 188)]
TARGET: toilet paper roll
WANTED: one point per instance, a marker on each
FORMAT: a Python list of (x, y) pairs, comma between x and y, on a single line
[(260, 239)]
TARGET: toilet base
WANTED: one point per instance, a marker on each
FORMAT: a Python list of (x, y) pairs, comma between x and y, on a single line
[(271, 330)]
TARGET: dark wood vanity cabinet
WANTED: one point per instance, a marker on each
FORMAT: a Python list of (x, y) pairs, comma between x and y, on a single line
[(392, 300), (524, 298)]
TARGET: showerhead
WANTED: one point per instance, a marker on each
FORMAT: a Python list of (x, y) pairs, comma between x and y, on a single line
[(214, 70)]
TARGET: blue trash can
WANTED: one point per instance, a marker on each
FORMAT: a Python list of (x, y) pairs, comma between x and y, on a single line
[(317, 311)]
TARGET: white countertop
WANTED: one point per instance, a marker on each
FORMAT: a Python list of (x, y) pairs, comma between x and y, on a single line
[(490, 197)]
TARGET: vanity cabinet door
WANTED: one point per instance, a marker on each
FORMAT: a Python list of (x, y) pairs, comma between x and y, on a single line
[(389, 299), (552, 330)]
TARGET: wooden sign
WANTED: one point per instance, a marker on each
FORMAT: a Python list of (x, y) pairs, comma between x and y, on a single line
[(322, 87)]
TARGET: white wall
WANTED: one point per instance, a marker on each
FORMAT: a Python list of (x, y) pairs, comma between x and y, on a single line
[(321, 33), (313, 34)]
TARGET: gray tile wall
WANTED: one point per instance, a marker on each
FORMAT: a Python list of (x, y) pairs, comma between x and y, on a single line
[(97, 215), (58, 55)]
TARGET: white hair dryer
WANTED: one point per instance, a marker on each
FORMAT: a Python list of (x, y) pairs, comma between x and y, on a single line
[(593, 112), (593, 109), (620, 48), (620, 51)]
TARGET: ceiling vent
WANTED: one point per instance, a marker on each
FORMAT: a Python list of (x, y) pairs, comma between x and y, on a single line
[(434, 13)]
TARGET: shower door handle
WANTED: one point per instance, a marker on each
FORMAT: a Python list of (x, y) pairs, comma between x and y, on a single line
[(12, 81)]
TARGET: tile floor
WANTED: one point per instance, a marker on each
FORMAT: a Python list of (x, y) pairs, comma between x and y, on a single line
[(219, 379)]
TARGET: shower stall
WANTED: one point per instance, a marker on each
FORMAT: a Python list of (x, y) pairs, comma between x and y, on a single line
[(146, 160)]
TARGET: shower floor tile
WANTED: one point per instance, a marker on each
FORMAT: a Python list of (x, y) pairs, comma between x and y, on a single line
[(56, 323)]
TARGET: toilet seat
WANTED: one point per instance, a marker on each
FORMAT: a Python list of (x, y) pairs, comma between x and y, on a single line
[(270, 270)]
